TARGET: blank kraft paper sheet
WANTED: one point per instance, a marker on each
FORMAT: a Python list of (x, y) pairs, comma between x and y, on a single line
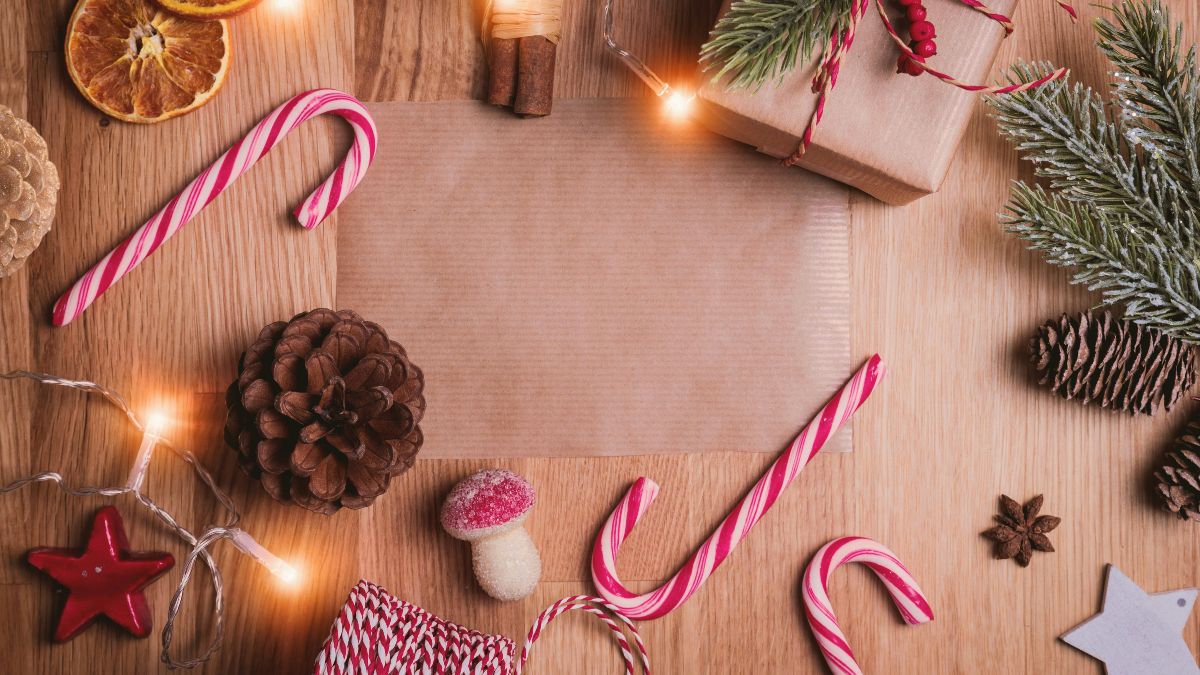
[(602, 281)]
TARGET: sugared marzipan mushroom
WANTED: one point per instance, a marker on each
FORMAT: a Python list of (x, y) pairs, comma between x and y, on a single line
[(488, 509)]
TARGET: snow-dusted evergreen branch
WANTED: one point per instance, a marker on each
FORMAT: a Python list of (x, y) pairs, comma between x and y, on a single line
[(1123, 197)]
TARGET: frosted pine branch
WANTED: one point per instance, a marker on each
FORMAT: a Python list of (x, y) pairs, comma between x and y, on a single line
[(1126, 262), (1121, 203), (1156, 89)]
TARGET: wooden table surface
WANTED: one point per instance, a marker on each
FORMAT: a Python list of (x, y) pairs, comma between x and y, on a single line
[(939, 290)]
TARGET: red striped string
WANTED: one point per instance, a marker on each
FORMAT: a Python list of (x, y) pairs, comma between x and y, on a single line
[(840, 42)]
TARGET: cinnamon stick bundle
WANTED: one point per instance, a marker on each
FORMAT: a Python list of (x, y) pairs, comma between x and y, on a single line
[(522, 38)]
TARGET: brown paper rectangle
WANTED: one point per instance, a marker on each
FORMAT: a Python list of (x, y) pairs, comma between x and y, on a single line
[(599, 282), (892, 136)]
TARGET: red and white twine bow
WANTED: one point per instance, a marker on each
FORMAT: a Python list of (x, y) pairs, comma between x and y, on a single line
[(839, 45), (607, 613)]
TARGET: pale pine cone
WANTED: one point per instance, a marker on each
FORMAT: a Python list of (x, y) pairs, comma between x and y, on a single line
[(28, 191)]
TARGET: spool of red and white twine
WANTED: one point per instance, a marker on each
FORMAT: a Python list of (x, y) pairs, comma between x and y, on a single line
[(905, 592), (736, 525), (378, 633), (235, 162)]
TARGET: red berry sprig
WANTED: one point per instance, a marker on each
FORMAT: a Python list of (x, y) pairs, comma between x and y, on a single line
[(922, 32)]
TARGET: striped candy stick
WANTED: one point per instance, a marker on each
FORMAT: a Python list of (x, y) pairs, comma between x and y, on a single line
[(736, 525), (236, 161), (909, 599)]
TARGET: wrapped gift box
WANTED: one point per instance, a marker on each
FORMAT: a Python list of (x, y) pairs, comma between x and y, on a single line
[(892, 136)]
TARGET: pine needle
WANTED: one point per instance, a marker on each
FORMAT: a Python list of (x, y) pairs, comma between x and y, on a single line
[(1122, 198), (758, 41)]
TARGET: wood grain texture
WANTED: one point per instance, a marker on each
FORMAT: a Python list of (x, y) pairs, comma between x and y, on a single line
[(939, 290)]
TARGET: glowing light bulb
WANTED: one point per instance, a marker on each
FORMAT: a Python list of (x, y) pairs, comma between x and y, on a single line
[(155, 423), (677, 104), (278, 566), (287, 574)]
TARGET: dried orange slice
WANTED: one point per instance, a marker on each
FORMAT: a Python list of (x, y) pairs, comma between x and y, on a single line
[(138, 63), (207, 9)]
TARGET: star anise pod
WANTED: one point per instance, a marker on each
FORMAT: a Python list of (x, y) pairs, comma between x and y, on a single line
[(1021, 531)]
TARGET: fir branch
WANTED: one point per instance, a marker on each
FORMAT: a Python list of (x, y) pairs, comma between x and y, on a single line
[(1122, 204), (1068, 133), (1155, 89), (1128, 263), (761, 40)]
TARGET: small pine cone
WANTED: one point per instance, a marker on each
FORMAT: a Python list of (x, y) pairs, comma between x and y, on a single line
[(28, 191), (325, 410), (1114, 362), (1179, 479)]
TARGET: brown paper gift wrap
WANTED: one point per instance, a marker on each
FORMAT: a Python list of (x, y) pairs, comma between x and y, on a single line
[(892, 136)]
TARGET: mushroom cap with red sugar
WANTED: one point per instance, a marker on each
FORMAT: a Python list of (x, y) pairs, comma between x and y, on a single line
[(487, 503)]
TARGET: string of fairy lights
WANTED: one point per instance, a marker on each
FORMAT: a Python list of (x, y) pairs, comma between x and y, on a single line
[(151, 429)]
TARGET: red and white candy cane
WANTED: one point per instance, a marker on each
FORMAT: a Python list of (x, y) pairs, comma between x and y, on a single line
[(736, 525), (236, 161), (905, 592)]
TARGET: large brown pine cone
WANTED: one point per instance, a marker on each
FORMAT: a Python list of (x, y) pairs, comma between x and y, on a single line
[(1113, 362), (1179, 479), (325, 410)]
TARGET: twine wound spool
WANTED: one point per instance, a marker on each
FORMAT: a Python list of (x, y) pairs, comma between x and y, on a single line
[(378, 633), (515, 19)]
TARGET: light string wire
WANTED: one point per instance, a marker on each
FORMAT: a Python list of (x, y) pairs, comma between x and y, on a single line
[(200, 544), (658, 85)]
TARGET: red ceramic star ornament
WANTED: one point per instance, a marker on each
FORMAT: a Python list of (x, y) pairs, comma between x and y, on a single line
[(106, 579)]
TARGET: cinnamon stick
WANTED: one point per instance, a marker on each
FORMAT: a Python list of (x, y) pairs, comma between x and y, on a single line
[(535, 76), (502, 71)]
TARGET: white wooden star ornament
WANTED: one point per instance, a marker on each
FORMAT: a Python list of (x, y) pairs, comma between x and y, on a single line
[(1137, 633)]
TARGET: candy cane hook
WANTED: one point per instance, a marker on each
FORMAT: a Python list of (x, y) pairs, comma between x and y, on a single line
[(235, 162), (736, 525), (909, 599)]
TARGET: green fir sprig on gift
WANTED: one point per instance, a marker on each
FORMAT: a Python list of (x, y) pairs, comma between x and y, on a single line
[(1121, 199), (761, 40)]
